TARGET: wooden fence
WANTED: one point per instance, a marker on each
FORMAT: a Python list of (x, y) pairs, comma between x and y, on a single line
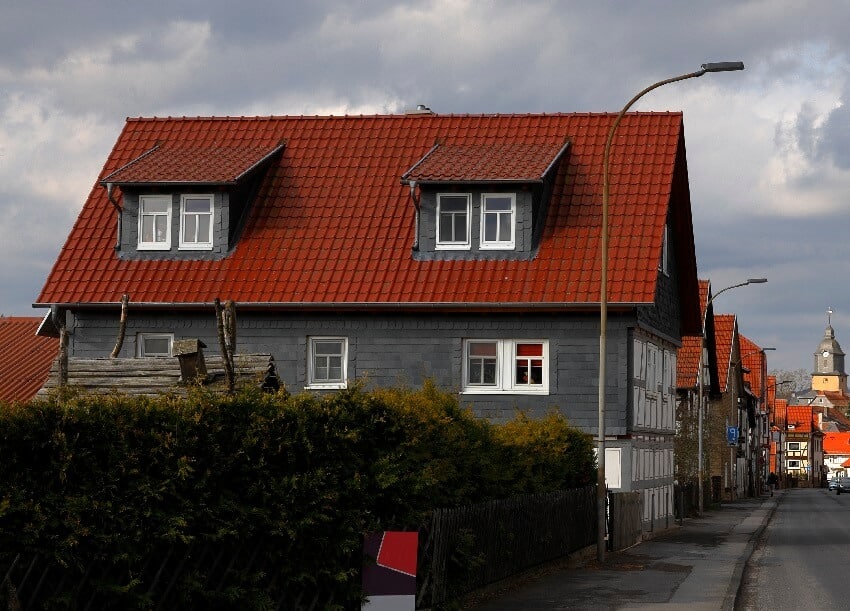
[(624, 529), (465, 548)]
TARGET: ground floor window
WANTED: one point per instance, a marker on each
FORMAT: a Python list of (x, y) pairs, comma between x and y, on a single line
[(328, 362), (506, 365), (154, 344)]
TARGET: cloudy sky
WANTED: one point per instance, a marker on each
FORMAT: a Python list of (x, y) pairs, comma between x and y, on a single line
[(768, 148)]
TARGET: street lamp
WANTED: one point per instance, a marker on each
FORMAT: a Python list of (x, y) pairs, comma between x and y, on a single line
[(700, 375), (601, 492)]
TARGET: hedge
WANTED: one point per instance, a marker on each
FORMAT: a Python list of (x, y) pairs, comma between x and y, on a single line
[(298, 479)]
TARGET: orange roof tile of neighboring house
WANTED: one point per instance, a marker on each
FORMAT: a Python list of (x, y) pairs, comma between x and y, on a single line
[(725, 329), (752, 358), (800, 416), (25, 358), (704, 289), (333, 224), (836, 443), (687, 362), (837, 398), (780, 413)]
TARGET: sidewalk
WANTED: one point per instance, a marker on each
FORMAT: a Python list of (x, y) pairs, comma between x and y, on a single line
[(697, 566)]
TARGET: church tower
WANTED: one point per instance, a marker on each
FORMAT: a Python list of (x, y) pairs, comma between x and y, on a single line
[(829, 374)]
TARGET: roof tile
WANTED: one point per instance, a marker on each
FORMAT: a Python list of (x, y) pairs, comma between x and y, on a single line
[(333, 200)]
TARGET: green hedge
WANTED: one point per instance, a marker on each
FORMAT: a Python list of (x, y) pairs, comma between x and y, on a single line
[(298, 479)]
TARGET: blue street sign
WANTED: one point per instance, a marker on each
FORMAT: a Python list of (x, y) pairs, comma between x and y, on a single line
[(732, 435)]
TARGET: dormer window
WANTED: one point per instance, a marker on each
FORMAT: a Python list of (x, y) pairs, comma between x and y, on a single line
[(453, 221), (498, 214), (196, 216), (154, 222)]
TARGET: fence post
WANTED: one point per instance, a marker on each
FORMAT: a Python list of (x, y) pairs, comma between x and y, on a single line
[(667, 507), (652, 513)]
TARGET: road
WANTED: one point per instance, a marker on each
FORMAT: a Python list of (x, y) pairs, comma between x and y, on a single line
[(801, 561)]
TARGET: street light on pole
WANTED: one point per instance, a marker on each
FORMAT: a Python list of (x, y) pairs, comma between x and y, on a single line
[(700, 376), (601, 492)]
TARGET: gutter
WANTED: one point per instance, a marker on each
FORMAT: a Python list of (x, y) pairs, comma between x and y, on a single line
[(359, 305)]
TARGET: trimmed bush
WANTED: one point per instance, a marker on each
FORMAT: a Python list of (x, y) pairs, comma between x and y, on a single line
[(282, 487)]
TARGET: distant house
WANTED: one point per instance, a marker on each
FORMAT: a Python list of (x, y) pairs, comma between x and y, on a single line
[(804, 448), (836, 451), (25, 358), (393, 249)]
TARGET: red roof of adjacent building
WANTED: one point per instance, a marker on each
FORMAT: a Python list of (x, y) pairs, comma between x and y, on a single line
[(687, 362), (725, 329), (687, 359), (753, 359), (800, 416), (25, 358), (836, 443), (333, 223)]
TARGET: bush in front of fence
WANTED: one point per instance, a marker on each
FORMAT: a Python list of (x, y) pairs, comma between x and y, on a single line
[(247, 501)]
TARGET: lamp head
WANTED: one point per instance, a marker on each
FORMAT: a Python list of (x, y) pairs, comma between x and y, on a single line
[(723, 66), (756, 280)]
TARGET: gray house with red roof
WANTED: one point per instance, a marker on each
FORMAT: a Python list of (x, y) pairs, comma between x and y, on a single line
[(393, 249)]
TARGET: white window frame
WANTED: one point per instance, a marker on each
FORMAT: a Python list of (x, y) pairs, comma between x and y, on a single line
[(186, 244), (794, 446), (155, 245), (454, 245), (664, 265), (498, 244), (506, 366), (141, 340), (795, 465), (312, 380)]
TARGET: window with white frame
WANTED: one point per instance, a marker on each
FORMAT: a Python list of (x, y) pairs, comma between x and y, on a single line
[(453, 221), (793, 446), (196, 222), (498, 220), (154, 344), (663, 265), (328, 362), (794, 465), (506, 366), (154, 222)]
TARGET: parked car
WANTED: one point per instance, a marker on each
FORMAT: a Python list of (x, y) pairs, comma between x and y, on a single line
[(843, 485), (833, 484)]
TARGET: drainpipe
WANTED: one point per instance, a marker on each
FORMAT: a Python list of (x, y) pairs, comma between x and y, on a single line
[(109, 187), (415, 200)]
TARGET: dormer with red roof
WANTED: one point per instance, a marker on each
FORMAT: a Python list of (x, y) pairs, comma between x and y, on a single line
[(399, 248)]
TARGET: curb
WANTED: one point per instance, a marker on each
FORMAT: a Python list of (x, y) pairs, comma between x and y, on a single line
[(737, 582)]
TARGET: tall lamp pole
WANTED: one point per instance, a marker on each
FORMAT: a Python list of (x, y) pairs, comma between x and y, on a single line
[(700, 383), (601, 491)]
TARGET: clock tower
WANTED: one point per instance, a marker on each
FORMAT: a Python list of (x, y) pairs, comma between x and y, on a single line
[(829, 371)]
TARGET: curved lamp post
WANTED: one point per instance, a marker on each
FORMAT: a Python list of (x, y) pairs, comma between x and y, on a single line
[(601, 492), (700, 376)]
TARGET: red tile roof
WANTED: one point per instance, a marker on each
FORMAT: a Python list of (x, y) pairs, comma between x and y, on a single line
[(780, 413), (725, 329), (25, 359), (836, 443), (752, 358), (687, 362), (800, 416), (333, 224), (497, 162), (174, 162)]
